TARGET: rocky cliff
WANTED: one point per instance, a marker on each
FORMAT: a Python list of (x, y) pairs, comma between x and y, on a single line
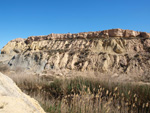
[(117, 53), (12, 100)]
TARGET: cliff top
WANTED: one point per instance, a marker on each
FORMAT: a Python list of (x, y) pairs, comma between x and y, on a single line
[(87, 35)]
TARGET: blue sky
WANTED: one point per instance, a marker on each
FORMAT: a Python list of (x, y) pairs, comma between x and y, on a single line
[(23, 18)]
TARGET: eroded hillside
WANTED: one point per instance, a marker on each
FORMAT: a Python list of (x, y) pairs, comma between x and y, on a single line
[(117, 54)]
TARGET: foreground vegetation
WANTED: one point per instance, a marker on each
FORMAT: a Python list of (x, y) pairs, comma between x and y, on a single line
[(87, 95)]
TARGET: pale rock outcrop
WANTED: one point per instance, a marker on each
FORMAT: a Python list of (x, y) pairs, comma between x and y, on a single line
[(12, 100), (18, 40), (14, 46)]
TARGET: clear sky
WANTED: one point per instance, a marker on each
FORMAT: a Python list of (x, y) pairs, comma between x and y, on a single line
[(23, 18)]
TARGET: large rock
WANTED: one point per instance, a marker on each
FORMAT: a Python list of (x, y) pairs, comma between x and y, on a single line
[(12, 100), (131, 33), (115, 33)]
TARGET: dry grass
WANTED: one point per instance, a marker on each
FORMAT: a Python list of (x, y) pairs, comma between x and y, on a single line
[(101, 98), (85, 95)]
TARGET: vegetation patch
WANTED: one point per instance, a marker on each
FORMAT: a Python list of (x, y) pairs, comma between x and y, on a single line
[(88, 95)]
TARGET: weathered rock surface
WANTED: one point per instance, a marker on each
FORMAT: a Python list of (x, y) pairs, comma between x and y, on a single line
[(108, 52), (12, 100)]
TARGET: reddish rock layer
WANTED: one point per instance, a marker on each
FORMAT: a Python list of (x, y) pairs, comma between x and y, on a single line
[(98, 34)]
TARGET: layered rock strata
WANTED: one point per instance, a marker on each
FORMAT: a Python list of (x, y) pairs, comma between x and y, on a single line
[(88, 35), (109, 51)]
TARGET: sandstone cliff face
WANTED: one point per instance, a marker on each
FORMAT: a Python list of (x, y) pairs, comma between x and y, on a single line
[(12, 100), (114, 51)]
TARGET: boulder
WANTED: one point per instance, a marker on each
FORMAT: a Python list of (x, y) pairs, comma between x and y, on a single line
[(131, 33), (115, 33), (13, 100)]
